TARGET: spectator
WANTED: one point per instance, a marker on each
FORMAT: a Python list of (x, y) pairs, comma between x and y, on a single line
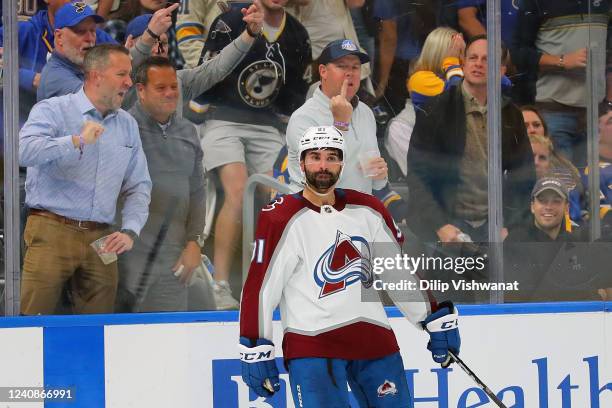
[(534, 122), (26, 9), (530, 249), (549, 49), (549, 163), (404, 27), (316, 17), (397, 138), (193, 82), (605, 167), (447, 159), (138, 27), (168, 243), (366, 27), (194, 21), (243, 134), (335, 103), (75, 31), (36, 41), (472, 18), (549, 204), (87, 136), (542, 154), (438, 66)]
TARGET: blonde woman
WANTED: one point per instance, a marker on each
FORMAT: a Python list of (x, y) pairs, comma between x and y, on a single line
[(438, 66), (550, 163)]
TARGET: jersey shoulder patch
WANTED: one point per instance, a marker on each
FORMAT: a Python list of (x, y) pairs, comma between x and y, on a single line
[(283, 208)]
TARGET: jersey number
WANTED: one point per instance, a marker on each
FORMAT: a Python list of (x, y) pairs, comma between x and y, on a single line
[(258, 251)]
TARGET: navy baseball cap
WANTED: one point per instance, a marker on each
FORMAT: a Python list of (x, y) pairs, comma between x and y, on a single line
[(71, 14), (549, 183), (138, 25), (340, 48)]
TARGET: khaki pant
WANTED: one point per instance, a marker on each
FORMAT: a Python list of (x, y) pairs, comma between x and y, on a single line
[(57, 253)]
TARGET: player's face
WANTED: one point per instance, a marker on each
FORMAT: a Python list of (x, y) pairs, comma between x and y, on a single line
[(322, 169), (74, 41), (159, 96), (273, 4), (548, 208), (475, 64), (334, 73), (113, 81), (605, 127), (541, 158), (533, 123)]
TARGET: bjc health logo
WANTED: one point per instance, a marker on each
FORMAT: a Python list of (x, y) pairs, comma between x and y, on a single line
[(582, 385)]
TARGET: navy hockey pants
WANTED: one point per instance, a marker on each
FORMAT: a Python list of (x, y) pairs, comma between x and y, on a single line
[(322, 382)]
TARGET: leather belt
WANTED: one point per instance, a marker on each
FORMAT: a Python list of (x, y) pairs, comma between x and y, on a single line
[(86, 225)]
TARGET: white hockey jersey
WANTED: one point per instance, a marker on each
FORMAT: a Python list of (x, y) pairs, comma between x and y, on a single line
[(313, 262)]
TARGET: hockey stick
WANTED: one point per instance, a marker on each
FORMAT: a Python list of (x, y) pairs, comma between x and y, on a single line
[(477, 380)]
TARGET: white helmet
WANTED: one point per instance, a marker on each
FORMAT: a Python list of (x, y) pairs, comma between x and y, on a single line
[(321, 137)]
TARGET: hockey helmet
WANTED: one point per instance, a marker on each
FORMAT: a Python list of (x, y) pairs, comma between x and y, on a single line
[(321, 137)]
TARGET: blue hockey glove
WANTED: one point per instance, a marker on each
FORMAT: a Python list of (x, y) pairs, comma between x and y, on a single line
[(258, 366), (443, 329)]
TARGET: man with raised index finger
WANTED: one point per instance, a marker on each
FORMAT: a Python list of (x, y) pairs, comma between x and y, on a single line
[(82, 153), (335, 102)]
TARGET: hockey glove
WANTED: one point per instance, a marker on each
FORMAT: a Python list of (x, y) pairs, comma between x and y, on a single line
[(443, 330), (259, 370)]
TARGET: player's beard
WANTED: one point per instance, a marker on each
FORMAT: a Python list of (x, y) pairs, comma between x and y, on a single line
[(321, 184)]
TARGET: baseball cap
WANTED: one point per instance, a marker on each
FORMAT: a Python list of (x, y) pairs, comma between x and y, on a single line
[(71, 14), (549, 183), (137, 26), (340, 48)]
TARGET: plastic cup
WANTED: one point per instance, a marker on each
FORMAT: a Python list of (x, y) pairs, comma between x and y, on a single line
[(106, 257), (365, 161)]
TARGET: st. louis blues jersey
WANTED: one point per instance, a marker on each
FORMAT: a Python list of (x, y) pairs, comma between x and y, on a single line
[(314, 262), (269, 80), (605, 185)]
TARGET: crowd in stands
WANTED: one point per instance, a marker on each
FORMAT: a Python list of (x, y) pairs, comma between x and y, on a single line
[(214, 91)]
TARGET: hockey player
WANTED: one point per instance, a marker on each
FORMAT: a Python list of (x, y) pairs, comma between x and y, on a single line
[(312, 256)]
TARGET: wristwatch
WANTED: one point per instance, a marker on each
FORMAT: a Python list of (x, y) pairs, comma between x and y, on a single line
[(130, 234)]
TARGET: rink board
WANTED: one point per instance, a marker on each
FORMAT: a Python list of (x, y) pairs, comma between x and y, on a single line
[(538, 355)]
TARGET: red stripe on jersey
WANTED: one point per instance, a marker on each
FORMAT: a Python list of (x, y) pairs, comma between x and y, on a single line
[(358, 198), (270, 227), (357, 341)]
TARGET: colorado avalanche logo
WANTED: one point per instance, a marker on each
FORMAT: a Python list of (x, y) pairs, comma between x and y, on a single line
[(342, 264)]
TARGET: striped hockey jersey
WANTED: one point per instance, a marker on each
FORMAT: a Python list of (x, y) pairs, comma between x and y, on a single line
[(313, 262)]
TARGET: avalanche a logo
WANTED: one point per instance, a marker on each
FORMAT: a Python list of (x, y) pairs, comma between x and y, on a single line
[(387, 388), (260, 83), (345, 262)]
